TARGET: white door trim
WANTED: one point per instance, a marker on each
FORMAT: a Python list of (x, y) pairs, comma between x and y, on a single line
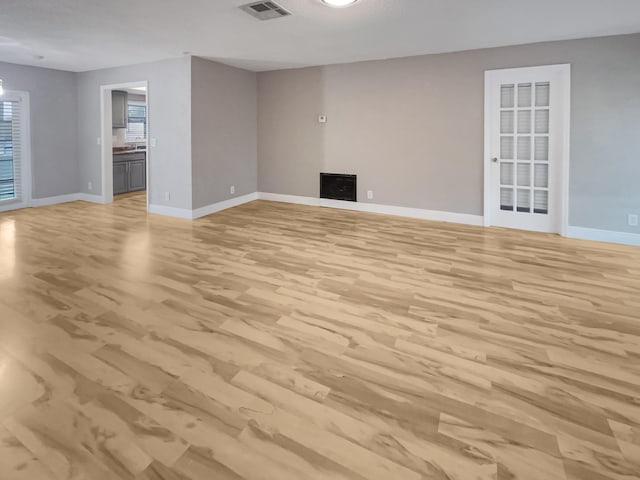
[(106, 135), (27, 185), (491, 76)]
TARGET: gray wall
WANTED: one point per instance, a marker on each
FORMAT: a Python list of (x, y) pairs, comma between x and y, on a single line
[(169, 122), (224, 131), (290, 140), (52, 94), (412, 128)]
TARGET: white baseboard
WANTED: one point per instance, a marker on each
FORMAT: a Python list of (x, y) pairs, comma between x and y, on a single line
[(216, 207), (170, 211), (604, 235), (278, 197), (625, 238), (88, 197), (202, 211), (71, 197), (423, 214), (47, 201), (43, 202)]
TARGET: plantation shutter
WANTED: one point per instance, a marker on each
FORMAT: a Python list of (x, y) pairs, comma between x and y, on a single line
[(11, 151)]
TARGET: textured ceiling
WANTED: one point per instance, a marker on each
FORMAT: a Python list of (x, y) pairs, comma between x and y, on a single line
[(83, 35)]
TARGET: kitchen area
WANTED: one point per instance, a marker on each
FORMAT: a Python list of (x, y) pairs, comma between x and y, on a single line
[(129, 129)]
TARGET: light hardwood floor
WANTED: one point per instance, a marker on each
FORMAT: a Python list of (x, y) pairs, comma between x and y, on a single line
[(274, 341)]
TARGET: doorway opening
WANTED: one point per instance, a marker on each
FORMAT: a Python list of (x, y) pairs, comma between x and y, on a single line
[(125, 142)]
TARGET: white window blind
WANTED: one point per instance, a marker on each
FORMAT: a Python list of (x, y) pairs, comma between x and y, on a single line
[(137, 121), (11, 165)]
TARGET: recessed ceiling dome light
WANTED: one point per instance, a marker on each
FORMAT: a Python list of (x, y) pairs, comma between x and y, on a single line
[(339, 3)]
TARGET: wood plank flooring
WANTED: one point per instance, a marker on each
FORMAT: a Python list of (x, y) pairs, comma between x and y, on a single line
[(275, 341)]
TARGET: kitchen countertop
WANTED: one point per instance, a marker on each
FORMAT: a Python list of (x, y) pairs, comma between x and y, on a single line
[(123, 152)]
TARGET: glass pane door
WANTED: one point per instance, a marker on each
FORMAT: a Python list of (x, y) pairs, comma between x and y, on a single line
[(524, 147)]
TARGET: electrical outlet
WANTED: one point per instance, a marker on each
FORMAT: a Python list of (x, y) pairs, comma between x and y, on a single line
[(98, 141), (167, 196), (90, 186), (232, 190), (370, 194), (632, 220)]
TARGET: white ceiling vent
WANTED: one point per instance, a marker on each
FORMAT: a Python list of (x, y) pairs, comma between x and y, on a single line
[(265, 10)]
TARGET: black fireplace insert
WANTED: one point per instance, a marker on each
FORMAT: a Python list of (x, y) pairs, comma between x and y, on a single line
[(337, 186)]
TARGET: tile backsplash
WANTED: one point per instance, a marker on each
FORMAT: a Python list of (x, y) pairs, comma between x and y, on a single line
[(119, 137)]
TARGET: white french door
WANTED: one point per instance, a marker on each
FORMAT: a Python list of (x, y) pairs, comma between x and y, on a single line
[(15, 171), (527, 147)]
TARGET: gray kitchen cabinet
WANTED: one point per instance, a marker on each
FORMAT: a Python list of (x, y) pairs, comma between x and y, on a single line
[(119, 101), (129, 172), (120, 178), (137, 175)]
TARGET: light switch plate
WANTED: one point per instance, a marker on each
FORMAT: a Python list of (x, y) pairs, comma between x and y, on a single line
[(633, 220), (154, 142)]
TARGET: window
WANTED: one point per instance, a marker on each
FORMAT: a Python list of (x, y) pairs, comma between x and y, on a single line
[(137, 121)]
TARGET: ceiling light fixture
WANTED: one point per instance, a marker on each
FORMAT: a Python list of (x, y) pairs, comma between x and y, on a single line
[(339, 3)]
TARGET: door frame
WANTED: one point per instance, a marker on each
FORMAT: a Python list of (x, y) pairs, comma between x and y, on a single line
[(27, 175), (106, 135), (491, 76)]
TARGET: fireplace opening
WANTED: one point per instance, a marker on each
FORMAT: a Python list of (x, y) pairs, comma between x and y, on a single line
[(336, 186)]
